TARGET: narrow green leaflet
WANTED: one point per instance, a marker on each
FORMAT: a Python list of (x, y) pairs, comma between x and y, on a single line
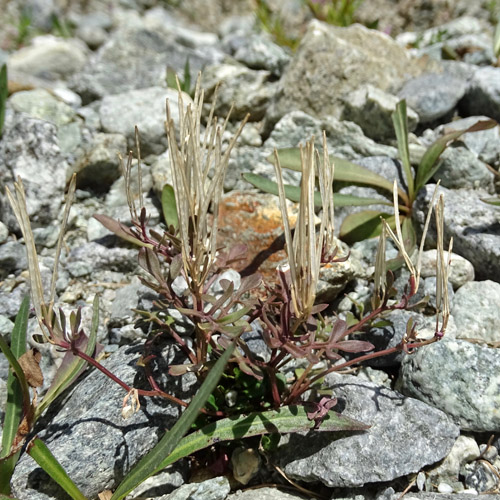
[(14, 406), (169, 206), (345, 171), (492, 201), (4, 93), (429, 164), (44, 458), (293, 193), (363, 225), (496, 40), (285, 420), (149, 464), (399, 119), (72, 365)]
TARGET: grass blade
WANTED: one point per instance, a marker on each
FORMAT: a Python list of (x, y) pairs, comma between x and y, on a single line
[(14, 407), (285, 420), (400, 121), (345, 171), (44, 458), (149, 464), (492, 201), (363, 225), (293, 193), (429, 164), (4, 93)]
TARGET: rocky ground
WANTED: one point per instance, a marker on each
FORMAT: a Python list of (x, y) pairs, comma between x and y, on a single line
[(74, 101)]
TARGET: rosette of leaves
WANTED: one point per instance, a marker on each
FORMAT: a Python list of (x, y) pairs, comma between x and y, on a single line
[(368, 223)]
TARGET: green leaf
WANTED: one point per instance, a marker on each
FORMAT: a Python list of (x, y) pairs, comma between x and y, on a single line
[(14, 406), (234, 316), (492, 201), (149, 464), (400, 121), (44, 458), (4, 93), (121, 230), (429, 164), (169, 206), (363, 225), (293, 193), (186, 84), (72, 366), (345, 171), (496, 40), (285, 420)]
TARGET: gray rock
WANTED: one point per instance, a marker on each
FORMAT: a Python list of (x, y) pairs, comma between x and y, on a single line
[(331, 62), (474, 48), (162, 483), (460, 168), (99, 167), (433, 96), (135, 57), (461, 270), (405, 435), (4, 233), (480, 477), (6, 326), (483, 94), (91, 257), (257, 51), (458, 377), (485, 144), (92, 28), (476, 311), (40, 104), (345, 139), (50, 57), (90, 428), (465, 450), (444, 496), (144, 108), (12, 258), (211, 489), (371, 109), (247, 90), (263, 494), (30, 149), (474, 226)]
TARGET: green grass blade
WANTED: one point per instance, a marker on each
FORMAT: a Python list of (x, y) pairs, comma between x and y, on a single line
[(345, 171), (44, 458), (4, 93), (14, 406), (169, 206), (149, 464), (5, 497), (429, 164), (69, 371), (363, 225), (400, 121), (293, 193), (496, 40), (285, 420), (492, 201)]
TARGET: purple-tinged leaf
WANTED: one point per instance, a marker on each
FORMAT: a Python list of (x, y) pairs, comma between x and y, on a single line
[(120, 230)]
